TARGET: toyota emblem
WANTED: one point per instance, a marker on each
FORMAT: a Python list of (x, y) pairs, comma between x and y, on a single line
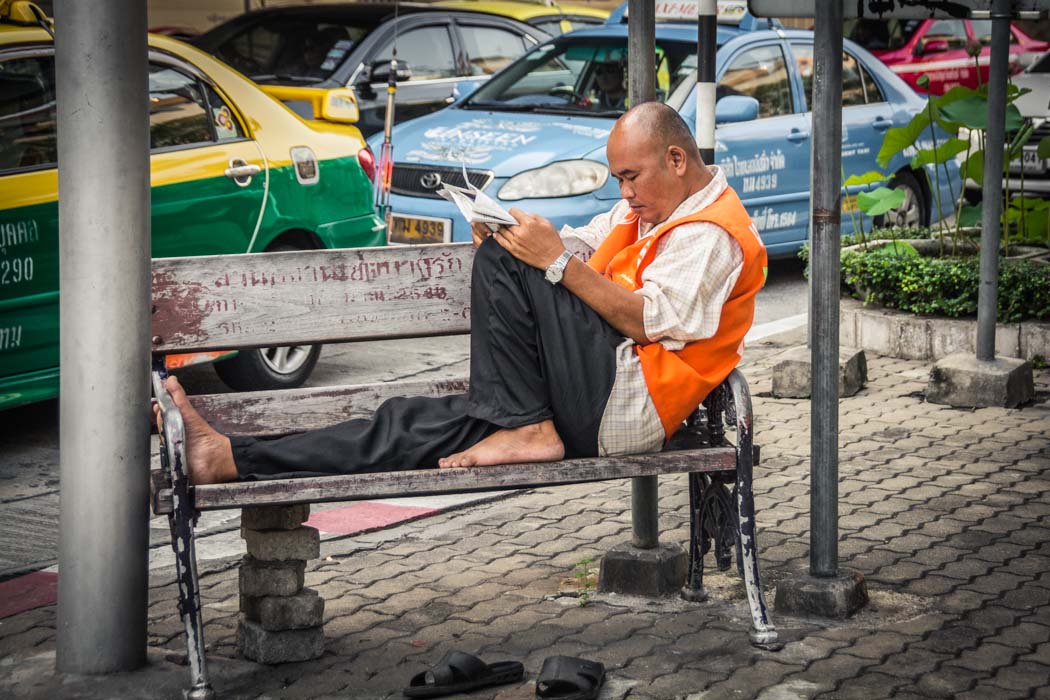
[(431, 181)]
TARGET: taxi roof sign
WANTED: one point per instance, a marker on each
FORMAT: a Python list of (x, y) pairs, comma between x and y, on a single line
[(901, 9), (729, 11)]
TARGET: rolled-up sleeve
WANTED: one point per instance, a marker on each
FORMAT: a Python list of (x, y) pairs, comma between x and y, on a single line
[(688, 282)]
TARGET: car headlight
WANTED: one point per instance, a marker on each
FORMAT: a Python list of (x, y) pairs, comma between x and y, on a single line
[(561, 179)]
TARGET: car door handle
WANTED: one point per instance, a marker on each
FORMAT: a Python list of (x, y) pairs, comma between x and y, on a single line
[(881, 124), (241, 172), (798, 135)]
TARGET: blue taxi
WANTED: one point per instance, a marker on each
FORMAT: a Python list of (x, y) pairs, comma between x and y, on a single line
[(534, 135)]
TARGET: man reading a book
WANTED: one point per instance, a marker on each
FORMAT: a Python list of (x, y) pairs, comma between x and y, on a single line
[(568, 358)]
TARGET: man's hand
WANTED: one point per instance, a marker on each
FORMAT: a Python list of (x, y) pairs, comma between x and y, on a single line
[(479, 232), (533, 241)]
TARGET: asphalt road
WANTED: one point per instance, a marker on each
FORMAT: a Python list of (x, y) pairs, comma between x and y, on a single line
[(29, 455)]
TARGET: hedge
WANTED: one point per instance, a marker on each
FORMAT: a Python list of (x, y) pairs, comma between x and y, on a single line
[(945, 286)]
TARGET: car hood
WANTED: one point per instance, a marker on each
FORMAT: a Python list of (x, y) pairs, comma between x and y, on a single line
[(504, 143)]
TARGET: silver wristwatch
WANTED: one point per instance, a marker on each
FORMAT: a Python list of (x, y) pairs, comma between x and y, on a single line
[(557, 268)]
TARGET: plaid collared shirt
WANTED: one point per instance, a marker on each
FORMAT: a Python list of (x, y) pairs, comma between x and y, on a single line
[(695, 268)]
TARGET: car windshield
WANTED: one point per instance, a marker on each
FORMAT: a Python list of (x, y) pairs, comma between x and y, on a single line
[(580, 76), (280, 50)]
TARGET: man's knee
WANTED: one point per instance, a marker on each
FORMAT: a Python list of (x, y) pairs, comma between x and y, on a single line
[(492, 258)]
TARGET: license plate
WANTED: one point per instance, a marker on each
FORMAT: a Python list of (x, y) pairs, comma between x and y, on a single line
[(1029, 162), (413, 230)]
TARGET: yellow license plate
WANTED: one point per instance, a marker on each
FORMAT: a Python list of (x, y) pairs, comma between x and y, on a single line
[(413, 230)]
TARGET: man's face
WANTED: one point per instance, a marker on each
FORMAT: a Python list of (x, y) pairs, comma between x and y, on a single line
[(647, 179)]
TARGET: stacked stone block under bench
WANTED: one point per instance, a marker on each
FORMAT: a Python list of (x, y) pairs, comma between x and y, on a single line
[(301, 298), (281, 620)]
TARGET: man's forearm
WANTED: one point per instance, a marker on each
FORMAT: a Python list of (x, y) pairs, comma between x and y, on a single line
[(622, 309)]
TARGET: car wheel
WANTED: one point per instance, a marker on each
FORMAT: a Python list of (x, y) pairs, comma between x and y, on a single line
[(258, 369), (913, 211)]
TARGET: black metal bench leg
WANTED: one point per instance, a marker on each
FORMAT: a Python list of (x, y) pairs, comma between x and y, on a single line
[(181, 521), (763, 633), (699, 542)]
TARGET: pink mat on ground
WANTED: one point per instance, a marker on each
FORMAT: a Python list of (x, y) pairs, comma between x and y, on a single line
[(27, 592), (364, 515)]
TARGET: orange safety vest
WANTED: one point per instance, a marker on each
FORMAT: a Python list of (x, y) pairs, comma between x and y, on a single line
[(678, 380)]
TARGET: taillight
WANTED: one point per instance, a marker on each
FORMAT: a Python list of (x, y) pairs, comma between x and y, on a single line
[(368, 162)]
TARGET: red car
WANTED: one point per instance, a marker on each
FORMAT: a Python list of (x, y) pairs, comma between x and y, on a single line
[(938, 48)]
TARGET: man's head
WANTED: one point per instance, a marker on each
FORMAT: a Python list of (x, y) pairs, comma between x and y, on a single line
[(609, 77), (653, 156)]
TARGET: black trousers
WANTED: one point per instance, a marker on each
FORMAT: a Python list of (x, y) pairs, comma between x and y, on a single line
[(536, 352)]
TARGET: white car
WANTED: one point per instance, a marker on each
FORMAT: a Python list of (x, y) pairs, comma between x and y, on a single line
[(1034, 106)]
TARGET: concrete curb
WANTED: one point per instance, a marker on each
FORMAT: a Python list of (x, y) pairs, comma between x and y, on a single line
[(907, 336)]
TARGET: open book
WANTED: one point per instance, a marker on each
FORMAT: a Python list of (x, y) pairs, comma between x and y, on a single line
[(476, 206)]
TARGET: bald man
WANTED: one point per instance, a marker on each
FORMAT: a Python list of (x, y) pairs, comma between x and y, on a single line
[(568, 359)]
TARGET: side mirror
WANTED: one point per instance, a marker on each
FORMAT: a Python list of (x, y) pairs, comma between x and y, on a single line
[(380, 72), (463, 88), (736, 108), (930, 46), (340, 105)]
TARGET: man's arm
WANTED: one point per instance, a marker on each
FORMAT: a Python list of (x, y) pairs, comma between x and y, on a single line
[(535, 242)]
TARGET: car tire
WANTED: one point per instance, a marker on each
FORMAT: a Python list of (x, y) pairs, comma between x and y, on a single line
[(915, 211), (261, 369)]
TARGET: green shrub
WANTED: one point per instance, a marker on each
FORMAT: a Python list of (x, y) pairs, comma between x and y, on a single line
[(945, 286)]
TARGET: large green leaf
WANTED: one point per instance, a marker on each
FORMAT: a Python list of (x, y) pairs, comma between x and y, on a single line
[(868, 178), (899, 248), (954, 95), (900, 137), (944, 152), (972, 112), (880, 201), (973, 167), (970, 215), (1043, 149)]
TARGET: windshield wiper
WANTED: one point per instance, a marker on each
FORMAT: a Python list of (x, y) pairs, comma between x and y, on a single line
[(502, 106), (286, 78)]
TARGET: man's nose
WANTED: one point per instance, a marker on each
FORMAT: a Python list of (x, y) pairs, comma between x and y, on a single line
[(626, 191)]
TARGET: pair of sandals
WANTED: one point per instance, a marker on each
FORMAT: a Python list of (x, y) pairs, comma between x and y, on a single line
[(561, 678)]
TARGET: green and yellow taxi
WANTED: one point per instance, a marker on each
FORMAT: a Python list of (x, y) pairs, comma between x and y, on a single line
[(551, 17), (232, 171)]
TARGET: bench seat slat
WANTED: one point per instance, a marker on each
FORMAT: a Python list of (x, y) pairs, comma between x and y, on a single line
[(267, 413), (421, 482), (318, 296)]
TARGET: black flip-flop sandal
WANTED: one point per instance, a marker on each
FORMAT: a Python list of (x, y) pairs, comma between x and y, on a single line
[(460, 672), (569, 678)]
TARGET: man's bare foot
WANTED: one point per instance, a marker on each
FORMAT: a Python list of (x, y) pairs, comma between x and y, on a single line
[(209, 452), (530, 443)]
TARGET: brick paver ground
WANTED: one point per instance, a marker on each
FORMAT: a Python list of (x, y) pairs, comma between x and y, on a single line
[(946, 512)]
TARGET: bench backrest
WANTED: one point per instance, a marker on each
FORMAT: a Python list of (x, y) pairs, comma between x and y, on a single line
[(319, 296)]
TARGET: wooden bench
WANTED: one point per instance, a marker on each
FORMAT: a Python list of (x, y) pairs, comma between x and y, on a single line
[(211, 303)]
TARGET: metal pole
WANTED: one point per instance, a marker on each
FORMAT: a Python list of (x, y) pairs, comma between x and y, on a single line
[(104, 278), (641, 87), (706, 49), (826, 189), (995, 139)]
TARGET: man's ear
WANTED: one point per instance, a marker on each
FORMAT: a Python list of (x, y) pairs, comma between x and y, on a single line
[(676, 159)]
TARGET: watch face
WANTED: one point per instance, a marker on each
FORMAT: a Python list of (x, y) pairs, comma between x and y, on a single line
[(554, 275)]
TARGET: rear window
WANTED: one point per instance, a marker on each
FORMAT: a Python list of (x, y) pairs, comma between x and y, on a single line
[(290, 49), (27, 113), (877, 35)]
